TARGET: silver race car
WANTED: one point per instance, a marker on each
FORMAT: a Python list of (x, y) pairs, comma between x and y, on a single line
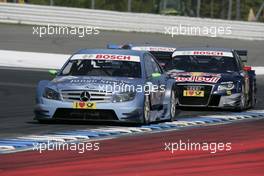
[(108, 85)]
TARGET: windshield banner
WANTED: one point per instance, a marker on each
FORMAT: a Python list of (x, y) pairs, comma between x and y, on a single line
[(111, 57), (153, 48), (202, 53)]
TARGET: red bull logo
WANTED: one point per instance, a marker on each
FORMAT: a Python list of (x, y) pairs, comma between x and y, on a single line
[(198, 79)]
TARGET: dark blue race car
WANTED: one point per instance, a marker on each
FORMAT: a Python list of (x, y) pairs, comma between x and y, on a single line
[(213, 77), (206, 77)]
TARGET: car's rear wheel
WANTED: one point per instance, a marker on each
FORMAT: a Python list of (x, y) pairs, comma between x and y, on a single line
[(173, 102), (146, 110), (253, 98)]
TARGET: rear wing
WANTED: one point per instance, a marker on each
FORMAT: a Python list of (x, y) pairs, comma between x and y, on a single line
[(243, 54)]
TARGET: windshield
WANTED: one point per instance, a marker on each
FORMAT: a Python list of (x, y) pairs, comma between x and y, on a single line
[(111, 68), (216, 64), (164, 58)]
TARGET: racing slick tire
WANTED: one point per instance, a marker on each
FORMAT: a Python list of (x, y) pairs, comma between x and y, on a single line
[(253, 98), (243, 103), (173, 105), (146, 110), (42, 121)]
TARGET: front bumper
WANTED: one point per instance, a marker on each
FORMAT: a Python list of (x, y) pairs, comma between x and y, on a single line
[(212, 97), (130, 111), (219, 101), (231, 101)]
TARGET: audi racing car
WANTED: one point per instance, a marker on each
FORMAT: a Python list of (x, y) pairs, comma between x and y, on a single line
[(213, 77), (108, 85)]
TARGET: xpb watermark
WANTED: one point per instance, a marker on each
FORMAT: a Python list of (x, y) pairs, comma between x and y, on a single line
[(210, 31), (79, 31), (211, 147), (80, 147)]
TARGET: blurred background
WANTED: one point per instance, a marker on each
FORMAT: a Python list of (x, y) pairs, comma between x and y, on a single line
[(246, 10)]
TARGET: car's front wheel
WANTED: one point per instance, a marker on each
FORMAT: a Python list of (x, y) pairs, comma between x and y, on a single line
[(43, 121), (146, 110), (242, 104)]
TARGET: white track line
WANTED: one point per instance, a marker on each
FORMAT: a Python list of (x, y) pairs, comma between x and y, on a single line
[(32, 59)]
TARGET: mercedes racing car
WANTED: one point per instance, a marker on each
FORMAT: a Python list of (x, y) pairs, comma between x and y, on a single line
[(213, 77), (108, 85)]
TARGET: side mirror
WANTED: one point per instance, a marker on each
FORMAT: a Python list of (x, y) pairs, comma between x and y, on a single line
[(155, 75), (53, 72), (162, 64)]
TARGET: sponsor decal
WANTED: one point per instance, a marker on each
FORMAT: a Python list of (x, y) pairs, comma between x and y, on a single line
[(153, 48), (84, 105), (193, 93), (203, 53), (197, 74), (62, 79), (111, 57), (174, 74), (195, 77), (97, 81), (228, 92), (198, 79)]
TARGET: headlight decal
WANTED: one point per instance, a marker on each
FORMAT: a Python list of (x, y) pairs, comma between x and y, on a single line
[(51, 94), (123, 96), (226, 86)]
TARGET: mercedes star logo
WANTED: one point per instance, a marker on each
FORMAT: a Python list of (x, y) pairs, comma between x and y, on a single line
[(85, 96)]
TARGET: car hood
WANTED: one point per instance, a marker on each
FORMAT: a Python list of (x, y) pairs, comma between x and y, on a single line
[(92, 82), (204, 77)]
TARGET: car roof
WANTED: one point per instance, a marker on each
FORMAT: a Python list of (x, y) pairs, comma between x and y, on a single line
[(154, 45), (148, 45), (204, 49), (111, 51), (151, 48)]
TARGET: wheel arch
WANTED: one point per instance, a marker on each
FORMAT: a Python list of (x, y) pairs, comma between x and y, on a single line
[(171, 84)]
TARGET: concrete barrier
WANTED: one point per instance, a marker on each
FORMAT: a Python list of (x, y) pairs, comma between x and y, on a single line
[(122, 21)]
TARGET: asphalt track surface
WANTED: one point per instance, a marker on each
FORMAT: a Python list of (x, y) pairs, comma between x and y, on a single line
[(20, 38), (146, 155)]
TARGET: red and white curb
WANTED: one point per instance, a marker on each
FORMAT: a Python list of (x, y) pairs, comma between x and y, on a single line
[(25, 143)]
